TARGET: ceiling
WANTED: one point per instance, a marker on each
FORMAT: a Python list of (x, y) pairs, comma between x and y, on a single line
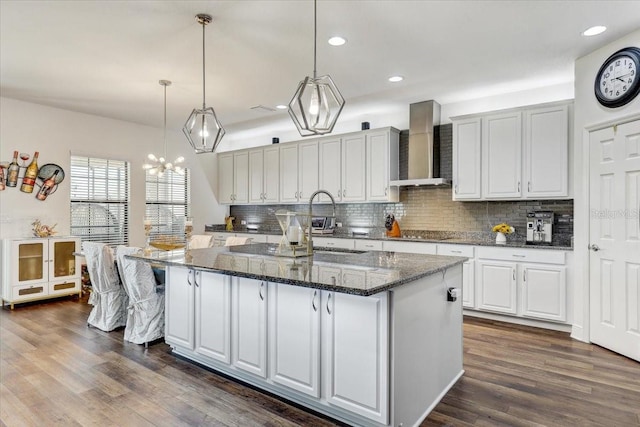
[(106, 57)]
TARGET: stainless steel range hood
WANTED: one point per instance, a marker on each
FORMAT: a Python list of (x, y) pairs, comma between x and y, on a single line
[(423, 117)]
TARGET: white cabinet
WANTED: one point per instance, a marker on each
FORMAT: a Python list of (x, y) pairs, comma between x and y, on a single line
[(233, 177), (353, 168), (357, 356), (382, 165), (179, 307), (468, 270), (467, 159), (298, 171), (333, 242), (544, 291), (249, 325), (213, 315), (546, 145), (523, 282), (34, 269), (330, 168), (264, 175), (522, 153), (368, 245), (294, 337), (497, 287), (501, 155)]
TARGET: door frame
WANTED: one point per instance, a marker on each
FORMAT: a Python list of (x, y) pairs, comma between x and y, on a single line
[(582, 204)]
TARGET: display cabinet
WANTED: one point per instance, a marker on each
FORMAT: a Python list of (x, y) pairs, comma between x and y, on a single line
[(34, 269)]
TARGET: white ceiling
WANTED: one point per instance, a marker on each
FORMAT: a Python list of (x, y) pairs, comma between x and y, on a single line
[(106, 57)]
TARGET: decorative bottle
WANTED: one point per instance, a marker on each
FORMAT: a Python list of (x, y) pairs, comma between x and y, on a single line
[(30, 175), (2, 184), (12, 171), (47, 186)]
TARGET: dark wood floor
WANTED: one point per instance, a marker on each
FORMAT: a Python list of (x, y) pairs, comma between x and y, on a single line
[(56, 371)]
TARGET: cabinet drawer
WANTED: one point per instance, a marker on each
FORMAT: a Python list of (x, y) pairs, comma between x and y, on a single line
[(368, 245), (455, 250), (410, 247), (27, 292), (255, 238), (522, 255), (64, 287), (332, 242)]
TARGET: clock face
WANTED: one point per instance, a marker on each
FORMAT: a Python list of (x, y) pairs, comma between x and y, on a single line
[(618, 82)]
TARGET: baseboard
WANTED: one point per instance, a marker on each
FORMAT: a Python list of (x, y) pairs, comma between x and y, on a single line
[(519, 320)]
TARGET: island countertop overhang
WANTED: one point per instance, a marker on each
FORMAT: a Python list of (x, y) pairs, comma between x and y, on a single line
[(353, 272)]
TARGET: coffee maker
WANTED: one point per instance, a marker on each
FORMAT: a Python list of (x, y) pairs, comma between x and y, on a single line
[(539, 227)]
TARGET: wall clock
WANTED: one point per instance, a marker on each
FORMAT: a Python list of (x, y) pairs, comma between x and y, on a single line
[(617, 81)]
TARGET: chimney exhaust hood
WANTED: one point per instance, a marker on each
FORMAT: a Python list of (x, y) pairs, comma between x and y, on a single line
[(423, 117)]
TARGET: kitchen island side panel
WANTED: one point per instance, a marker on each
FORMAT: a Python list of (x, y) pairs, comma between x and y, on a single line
[(426, 345)]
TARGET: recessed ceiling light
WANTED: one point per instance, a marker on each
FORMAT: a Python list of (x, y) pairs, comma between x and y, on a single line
[(594, 31), (281, 107), (395, 79), (337, 41)]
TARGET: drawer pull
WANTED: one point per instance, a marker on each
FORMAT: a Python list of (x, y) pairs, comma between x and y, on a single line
[(456, 252), (313, 301), (260, 292), (328, 301), (518, 256)]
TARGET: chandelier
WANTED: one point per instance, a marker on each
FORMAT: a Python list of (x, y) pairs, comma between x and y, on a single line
[(317, 103), (203, 129), (159, 165)]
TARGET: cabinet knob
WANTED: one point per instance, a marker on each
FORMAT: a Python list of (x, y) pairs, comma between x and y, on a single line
[(594, 248)]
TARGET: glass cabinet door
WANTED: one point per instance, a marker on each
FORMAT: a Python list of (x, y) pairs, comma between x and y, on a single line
[(31, 257), (64, 261)]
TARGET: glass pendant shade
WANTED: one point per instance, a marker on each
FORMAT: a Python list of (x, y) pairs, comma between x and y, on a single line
[(316, 105), (203, 130)]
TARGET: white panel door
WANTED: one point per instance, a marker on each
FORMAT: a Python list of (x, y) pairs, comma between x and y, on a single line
[(502, 156), (213, 315), (256, 176), (377, 166), (614, 233), (468, 284), (225, 178), (353, 168), (466, 159), (308, 169), (249, 325), (241, 177), (546, 142), (330, 154), (357, 377), (294, 338), (178, 310), (497, 287), (289, 173), (544, 291), (271, 178)]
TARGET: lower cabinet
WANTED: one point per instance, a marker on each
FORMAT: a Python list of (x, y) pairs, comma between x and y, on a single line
[(179, 307), (535, 287), (249, 325), (357, 361), (213, 315), (294, 337)]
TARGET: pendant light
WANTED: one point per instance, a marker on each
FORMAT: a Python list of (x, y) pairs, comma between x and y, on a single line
[(160, 165), (317, 103), (203, 129)]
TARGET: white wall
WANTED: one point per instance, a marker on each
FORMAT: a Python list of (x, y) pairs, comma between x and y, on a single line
[(57, 134), (588, 114)]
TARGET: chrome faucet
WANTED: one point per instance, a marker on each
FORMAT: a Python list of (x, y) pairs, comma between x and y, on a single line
[(333, 202)]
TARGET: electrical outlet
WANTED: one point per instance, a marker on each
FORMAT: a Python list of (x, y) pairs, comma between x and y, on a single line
[(338, 224), (243, 222)]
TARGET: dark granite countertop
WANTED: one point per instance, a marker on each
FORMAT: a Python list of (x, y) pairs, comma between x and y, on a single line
[(353, 272), (456, 238)]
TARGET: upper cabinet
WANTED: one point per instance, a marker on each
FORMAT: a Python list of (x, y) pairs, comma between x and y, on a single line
[(233, 177), (355, 167), (512, 155), (264, 176)]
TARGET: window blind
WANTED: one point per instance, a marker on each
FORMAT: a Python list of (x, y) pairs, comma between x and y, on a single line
[(168, 203), (100, 200)]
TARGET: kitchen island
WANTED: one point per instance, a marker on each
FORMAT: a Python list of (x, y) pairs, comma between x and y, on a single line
[(368, 338)]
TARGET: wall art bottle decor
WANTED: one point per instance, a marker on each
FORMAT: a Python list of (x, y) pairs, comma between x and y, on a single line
[(42, 181)]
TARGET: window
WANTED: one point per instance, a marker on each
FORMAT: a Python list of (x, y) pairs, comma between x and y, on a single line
[(168, 198), (100, 200)]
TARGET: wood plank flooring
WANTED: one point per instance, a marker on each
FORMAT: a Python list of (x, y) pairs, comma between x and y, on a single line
[(54, 370)]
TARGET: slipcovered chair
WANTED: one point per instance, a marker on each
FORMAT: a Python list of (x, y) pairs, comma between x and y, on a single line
[(108, 298), (233, 241), (200, 241), (145, 313)]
